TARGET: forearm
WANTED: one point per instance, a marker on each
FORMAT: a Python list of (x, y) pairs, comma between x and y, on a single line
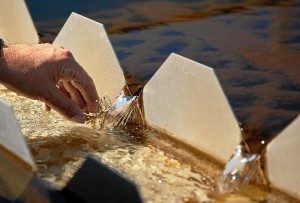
[(4, 68), (6, 71)]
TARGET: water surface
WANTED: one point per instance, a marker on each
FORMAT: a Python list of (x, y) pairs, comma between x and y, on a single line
[(163, 170), (254, 47)]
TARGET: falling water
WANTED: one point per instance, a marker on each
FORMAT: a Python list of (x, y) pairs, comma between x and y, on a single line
[(117, 114), (164, 171), (239, 171)]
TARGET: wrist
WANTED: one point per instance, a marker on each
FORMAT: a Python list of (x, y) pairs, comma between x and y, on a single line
[(1, 47), (1, 60), (11, 65), (3, 66)]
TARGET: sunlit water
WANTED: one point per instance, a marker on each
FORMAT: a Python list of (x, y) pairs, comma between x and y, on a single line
[(163, 170), (255, 51), (253, 46)]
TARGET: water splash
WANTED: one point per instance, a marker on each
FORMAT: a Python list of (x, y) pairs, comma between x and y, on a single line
[(121, 110), (124, 109), (239, 171)]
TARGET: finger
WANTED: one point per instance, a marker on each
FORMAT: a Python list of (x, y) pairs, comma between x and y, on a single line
[(83, 83), (74, 94), (89, 93), (62, 88), (61, 103), (46, 107)]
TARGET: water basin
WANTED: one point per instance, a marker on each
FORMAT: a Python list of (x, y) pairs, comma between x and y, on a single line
[(163, 169)]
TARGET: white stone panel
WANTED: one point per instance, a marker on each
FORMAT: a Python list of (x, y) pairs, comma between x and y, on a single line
[(90, 46), (184, 98), (16, 163), (283, 159), (16, 26)]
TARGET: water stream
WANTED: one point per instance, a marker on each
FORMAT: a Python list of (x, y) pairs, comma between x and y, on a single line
[(164, 170), (253, 47)]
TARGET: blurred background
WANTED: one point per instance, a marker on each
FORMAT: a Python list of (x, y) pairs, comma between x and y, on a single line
[(253, 45)]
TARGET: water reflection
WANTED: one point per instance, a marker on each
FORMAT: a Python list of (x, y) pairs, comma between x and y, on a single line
[(122, 16), (54, 154), (164, 171), (239, 171), (259, 72), (252, 45)]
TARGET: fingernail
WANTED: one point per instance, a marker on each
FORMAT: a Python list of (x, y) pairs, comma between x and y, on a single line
[(78, 118)]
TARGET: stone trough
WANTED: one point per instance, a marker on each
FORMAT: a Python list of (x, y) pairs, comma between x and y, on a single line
[(184, 100)]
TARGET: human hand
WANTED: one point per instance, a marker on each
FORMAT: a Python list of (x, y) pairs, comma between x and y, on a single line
[(50, 74)]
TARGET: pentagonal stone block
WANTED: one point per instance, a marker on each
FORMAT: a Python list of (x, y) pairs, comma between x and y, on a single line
[(283, 159), (184, 99), (90, 46), (16, 162), (16, 25)]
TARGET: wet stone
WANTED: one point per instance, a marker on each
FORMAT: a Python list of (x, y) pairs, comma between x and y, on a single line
[(290, 102), (162, 170), (172, 33), (139, 18), (123, 54), (248, 81), (242, 100), (155, 59), (128, 43), (287, 30), (172, 47), (275, 123), (250, 67), (290, 86)]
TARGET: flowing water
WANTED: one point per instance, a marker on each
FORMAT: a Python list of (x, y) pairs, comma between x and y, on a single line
[(253, 47), (163, 170)]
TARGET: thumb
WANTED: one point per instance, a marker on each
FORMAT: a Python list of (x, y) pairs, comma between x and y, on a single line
[(62, 104)]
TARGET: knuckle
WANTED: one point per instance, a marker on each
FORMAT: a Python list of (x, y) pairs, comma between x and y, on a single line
[(66, 53), (84, 83), (61, 53), (68, 73)]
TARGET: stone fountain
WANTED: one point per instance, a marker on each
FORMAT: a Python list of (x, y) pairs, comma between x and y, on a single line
[(184, 99)]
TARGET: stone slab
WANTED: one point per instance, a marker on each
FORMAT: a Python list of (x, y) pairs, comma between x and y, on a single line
[(185, 99), (283, 159), (90, 46), (16, 26), (17, 165)]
